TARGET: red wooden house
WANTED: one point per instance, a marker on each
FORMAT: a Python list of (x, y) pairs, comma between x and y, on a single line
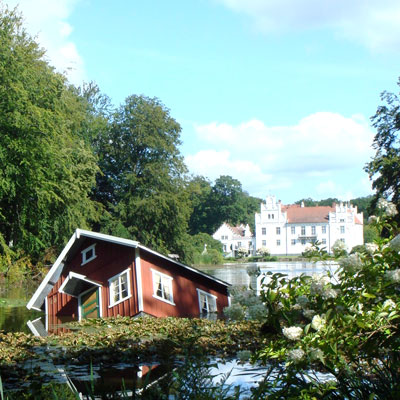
[(98, 275)]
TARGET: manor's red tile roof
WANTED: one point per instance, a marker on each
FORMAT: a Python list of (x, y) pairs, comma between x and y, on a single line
[(298, 214)]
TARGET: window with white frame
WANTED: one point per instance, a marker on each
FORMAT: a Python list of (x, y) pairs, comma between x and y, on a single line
[(342, 229), (293, 242), (263, 231), (303, 241), (293, 230), (278, 242), (313, 230), (88, 254), (278, 230), (324, 229), (162, 286), (323, 241), (303, 230), (120, 288), (264, 243), (207, 302)]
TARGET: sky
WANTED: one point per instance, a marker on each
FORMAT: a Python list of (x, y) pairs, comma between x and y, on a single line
[(275, 93)]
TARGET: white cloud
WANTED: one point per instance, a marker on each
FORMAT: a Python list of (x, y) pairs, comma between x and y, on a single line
[(375, 24), (47, 20), (318, 148)]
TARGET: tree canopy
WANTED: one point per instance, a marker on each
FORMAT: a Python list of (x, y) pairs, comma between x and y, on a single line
[(47, 168), (384, 168)]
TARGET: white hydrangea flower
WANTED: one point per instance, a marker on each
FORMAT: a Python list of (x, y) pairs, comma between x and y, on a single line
[(316, 354), (329, 294), (371, 247), (318, 284), (394, 244), (296, 355), (302, 300), (391, 210), (351, 263), (389, 303), (318, 322), (372, 219), (387, 207), (293, 332), (309, 313), (393, 275)]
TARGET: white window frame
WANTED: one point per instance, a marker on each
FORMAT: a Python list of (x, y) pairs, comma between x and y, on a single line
[(84, 252), (323, 228), (263, 243), (278, 242), (293, 230), (208, 297), (263, 231), (278, 230), (313, 230), (342, 229), (303, 230), (165, 280), (323, 241), (111, 294), (293, 242)]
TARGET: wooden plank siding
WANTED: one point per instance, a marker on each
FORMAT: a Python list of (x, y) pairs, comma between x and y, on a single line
[(184, 285), (110, 260)]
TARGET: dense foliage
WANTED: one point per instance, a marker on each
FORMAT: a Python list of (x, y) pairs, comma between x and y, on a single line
[(384, 168), (336, 336)]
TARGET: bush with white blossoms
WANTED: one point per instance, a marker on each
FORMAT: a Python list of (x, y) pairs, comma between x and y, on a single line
[(345, 324)]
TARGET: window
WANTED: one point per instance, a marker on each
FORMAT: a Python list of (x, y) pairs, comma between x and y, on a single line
[(293, 230), (162, 287), (239, 244), (293, 242), (225, 248), (223, 237), (278, 242), (313, 230), (269, 216), (88, 254), (263, 231), (207, 302), (324, 229), (264, 242), (272, 216), (303, 241), (120, 288), (341, 219), (278, 231), (342, 229), (303, 230), (342, 240), (324, 241)]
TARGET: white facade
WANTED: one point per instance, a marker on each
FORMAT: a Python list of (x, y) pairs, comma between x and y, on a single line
[(234, 238), (288, 230)]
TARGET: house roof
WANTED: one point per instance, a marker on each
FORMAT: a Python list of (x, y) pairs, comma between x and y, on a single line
[(298, 214), (74, 244)]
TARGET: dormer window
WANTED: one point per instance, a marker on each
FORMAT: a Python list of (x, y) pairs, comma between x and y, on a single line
[(88, 254)]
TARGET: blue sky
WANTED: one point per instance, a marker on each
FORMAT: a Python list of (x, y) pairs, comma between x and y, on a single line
[(276, 93)]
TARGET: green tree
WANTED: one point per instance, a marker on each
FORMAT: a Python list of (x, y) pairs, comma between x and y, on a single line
[(47, 169), (384, 168), (142, 184)]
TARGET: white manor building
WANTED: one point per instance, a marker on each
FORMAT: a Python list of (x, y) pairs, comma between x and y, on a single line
[(288, 230), (234, 238)]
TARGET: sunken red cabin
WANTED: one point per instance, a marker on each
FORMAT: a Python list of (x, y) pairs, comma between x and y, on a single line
[(99, 275)]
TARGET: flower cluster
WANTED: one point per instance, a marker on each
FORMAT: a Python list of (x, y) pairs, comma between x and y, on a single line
[(296, 355), (293, 332), (388, 208), (394, 244), (393, 275), (318, 322), (352, 263)]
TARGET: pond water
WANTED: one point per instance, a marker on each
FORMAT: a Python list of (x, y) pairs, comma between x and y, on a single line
[(14, 317)]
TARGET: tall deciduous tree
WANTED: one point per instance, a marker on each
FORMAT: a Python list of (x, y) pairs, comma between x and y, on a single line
[(384, 168), (47, 169), (142, 182)]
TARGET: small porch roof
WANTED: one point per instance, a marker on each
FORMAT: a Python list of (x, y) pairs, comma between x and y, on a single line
[(76, 284)]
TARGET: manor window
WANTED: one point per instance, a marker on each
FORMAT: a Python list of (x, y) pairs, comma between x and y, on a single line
[(303, 230), (278, 242), (263, 231), (342, 229), (293, 230), (293, 242), (278, 231), (323, 229), (313, 230)]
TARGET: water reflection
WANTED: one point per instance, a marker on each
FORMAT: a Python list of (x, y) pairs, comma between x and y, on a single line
[(236, 274)]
